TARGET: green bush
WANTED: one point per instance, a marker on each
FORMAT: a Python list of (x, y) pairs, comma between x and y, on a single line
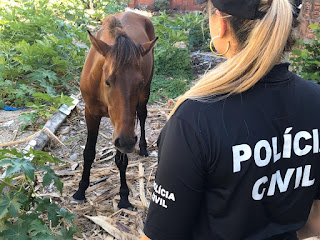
[(44, 43), (161, 5), (23, 215), (38, 50), (164, 87), (43, 108), (306, 60), (197, 28), (171, 60)]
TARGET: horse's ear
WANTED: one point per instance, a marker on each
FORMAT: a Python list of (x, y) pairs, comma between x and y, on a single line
[(99, 45), (147, 46)]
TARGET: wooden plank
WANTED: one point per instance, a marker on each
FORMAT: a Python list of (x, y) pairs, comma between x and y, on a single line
[(41, 139)]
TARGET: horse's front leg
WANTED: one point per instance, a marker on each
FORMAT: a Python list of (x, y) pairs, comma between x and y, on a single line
[(89, 154), (142, 115), (122, 163)]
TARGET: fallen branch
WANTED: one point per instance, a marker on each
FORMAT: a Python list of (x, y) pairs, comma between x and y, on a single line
[(8, 184), (52, 136), (141, 186), (19, 141), (105, 136), (107, 195)]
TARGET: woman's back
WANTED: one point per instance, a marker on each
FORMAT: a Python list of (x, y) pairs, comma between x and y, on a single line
[(239, 157), (251, 160)]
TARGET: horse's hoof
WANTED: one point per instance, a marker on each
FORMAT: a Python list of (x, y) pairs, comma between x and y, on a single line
[(143, 153), (125, 204), (74, 201), (79, 196)]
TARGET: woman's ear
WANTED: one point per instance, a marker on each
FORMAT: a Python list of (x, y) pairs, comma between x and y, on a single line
[(222, 24)]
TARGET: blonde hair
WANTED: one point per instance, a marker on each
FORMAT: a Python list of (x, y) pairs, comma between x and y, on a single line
[(262, 47)]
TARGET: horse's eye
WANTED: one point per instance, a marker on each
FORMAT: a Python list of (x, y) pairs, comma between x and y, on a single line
[(108, 83)]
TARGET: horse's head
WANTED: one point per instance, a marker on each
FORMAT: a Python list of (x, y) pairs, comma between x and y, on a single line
[(121, 83)]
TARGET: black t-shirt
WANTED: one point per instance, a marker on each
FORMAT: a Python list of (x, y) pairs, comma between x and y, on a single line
[(245, 167)]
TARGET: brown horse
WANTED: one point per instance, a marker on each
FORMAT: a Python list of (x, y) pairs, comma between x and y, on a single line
[(115, 83)]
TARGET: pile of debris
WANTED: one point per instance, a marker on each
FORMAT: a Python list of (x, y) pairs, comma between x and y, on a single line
[(202, 62)]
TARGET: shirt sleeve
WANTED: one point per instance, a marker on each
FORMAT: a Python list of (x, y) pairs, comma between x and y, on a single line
[(179, 184)]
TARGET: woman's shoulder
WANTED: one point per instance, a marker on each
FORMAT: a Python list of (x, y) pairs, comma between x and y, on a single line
[(191, 110), (198, 114), (307, 87)]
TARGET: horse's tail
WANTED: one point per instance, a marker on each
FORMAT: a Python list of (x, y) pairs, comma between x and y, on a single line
[(115, 28)]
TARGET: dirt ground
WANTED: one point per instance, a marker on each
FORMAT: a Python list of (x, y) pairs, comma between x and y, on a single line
[(102, 197)]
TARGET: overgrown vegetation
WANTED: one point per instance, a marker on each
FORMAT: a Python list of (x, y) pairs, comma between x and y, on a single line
[(161, 5), (38, 50), (165, 87), (43, 45), (170, 59), (43, 108), (173, 70), (306, 59), (24, 215)]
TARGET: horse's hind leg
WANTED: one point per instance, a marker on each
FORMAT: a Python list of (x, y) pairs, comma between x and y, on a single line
[(122, 163), (88, 154), (142, 115)]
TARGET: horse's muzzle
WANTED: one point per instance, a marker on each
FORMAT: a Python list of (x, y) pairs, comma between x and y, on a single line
[(125, 145)]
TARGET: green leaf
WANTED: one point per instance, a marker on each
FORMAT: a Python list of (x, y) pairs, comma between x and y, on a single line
[(66, 100), (67, 234), (44, 96), (11, 203), (49, 176), (3, 226), (12, 168), (314, 27), (54, 109), (28, 170), (296, 52), (38, 230), (41, 157), (5, 152), (16, 164), (52, 213), (52, 209), (17, 231), (66, 215), (27, 68)]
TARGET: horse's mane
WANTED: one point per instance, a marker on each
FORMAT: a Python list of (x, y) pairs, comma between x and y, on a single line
[(124, 52)]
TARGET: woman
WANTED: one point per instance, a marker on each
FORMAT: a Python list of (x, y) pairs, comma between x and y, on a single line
[(239, 157)]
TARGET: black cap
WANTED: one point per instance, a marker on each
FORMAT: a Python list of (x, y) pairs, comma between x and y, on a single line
[(247, 9)]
